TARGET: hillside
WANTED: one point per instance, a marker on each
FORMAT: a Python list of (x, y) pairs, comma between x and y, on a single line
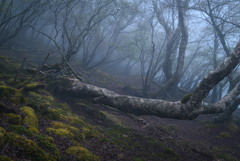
[(43, 124)]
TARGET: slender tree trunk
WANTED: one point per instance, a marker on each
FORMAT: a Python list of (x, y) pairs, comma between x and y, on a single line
[(175, 78)]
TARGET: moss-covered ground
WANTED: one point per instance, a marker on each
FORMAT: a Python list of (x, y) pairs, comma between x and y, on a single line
[(44, 126)]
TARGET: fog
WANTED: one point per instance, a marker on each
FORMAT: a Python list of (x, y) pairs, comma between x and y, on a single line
[(130, 38)]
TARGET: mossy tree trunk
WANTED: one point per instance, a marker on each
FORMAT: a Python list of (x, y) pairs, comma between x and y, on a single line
[(161, 108)]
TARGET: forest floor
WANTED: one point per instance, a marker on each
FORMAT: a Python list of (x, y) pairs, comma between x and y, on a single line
[(126, 136)]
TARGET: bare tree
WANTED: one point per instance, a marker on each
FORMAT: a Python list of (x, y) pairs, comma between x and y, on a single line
[(172, 42), (16, 15), (218, 15)]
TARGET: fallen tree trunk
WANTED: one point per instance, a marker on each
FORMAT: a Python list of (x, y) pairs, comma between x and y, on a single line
[(161, 108)]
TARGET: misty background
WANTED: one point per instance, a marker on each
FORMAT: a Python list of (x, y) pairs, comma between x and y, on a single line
[(139, 38)]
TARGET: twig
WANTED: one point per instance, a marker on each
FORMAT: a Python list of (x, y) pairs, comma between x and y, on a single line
[(63, 57), (25, 137), (163, 89), (34, 75), (5, 147), (19, 70), (155, 130), (68, 115), (92, 156), (84, 142)]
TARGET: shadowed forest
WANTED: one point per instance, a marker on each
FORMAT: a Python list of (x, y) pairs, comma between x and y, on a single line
[(119, 80)]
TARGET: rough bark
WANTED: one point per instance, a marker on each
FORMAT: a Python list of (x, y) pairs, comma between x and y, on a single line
[(213, 78), (161, 108)]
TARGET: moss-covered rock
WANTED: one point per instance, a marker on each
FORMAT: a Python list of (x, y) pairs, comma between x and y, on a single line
[(76, 121), (10, 81), (7, 69), (6, 91), (6, 109), (61, 132), (33, 86), (33, 130), (39, 102), (90, 133), (24, 83), (30, 118), (186, 98), (88, 130), (54, 114), (20, 130), (47, 142), (2, 83), (27, 146), (19, 97), (12, 118), (82, 154), (64, 130)]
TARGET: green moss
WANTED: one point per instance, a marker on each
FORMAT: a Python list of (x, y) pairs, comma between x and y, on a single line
[(224, 135), (47, 142), (186, 98), (24, 83), (39, 102), (169, 153), (6, 68), (12, 118), (138, 159), (2, 132), (169, 128), (54, 114), (76, 121), (232, 127), (30, 117), (88, 130), (33, 130), (5, 158), (82, 154), (10, 81), (116, 135), (66, 83), (31, 87), (5, 59), (76, 143), (4, 75), (113, 118), (27, 146), (2, 83), (64, 130), (6, 91), (102, 138), (61, 132), (64, 107), (19, 97), (20, 130), (225, 157), (90, 133)]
